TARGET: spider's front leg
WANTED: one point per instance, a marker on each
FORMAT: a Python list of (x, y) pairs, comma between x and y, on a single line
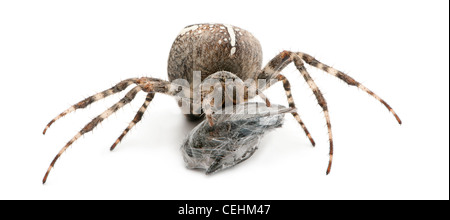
[(148, 85), (224, 89)]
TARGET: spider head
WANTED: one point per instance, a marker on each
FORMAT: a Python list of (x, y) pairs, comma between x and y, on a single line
[(225, 88)]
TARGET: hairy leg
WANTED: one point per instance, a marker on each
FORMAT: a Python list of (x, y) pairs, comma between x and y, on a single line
[(272, 71), (136, 119), (91, 125), (346, 78), (321, 100), (148, 85), (290, 99), (91, 99), (278, 63)]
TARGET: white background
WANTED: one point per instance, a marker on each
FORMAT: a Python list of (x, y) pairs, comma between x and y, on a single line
[(55, 53)]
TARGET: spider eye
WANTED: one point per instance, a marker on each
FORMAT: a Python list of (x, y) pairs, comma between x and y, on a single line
[(178, 89)]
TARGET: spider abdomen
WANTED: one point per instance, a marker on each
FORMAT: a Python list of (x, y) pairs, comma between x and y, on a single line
[(209, 48)]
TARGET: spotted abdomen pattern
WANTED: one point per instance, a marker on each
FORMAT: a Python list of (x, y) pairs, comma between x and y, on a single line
[(209, 48)]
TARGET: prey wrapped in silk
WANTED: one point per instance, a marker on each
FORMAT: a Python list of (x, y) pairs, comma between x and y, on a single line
[(233, 138)]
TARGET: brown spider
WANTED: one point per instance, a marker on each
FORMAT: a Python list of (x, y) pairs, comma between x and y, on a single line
[(220, 52)]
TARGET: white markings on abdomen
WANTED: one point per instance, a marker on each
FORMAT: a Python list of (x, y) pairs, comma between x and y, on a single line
[(232, 38), (190, 28), (222, 27)]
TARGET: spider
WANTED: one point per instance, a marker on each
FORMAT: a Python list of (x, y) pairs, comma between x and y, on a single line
[(220, 52)]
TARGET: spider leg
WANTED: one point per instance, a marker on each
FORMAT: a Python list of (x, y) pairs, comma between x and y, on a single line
[(207, 104), (320, 99), (250, 88), (290, 99), (285, 58), (84, 103), (347, 79), (91, 125), (136, 119), (272, 71), (260, 94)]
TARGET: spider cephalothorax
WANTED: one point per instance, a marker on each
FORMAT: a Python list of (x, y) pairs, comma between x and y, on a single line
[(203, 58)]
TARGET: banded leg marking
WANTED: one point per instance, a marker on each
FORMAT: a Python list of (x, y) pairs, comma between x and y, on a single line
[(91, 125), (136, 119), (91, 99)]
